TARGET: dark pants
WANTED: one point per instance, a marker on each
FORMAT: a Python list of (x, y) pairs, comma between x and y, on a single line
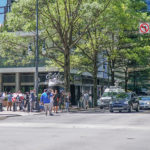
[(27, 105), (14, 106), (1, 107)]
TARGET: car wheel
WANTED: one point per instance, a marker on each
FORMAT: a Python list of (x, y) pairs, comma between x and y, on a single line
[(101, 107), (111, 110), (130, 109), (138, 108)]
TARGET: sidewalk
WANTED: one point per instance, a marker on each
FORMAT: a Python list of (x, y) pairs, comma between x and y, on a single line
[(74, 109), (4, 114)]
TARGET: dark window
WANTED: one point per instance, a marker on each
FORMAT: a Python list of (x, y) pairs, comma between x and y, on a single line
[(8, 78), (27, 77), (9, 89), (26, 88), (42, 77)]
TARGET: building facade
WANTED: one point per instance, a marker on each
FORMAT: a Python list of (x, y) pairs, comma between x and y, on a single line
[(148, 5)]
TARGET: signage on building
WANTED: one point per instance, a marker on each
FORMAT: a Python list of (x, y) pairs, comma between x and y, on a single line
[(144, 28)]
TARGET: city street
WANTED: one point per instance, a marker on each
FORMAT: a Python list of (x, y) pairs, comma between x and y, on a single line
[(77, 131), (81, 59)]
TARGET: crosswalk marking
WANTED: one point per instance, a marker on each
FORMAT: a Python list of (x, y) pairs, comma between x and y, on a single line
[(76, 126)]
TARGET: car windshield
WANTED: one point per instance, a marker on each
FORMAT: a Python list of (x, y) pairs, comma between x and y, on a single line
[(122, 95), (109, 94), (144, 98)]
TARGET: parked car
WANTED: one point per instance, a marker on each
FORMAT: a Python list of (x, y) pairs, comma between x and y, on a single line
[(124, 101), (108, 95), (144, 102)]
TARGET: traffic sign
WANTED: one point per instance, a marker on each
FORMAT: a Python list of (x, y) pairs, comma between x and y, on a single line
[(144, 28)]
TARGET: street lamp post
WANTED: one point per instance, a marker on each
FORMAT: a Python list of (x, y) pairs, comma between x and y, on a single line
[(36, 86), (37, 56)]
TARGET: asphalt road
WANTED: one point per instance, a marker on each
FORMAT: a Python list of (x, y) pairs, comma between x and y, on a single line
[(76, 131)]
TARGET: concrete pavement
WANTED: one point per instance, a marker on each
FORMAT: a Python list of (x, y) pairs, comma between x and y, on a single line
[(21, 113), (76, 131), (4, 114)]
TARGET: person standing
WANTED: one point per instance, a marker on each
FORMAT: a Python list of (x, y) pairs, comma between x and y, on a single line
[(9, 103), (17, 101), (50, 96), (27, 103), (90, 100), (1, 101), (45, 100), (61, 101), (32, 100), (56, 101), (67, 101), (14, 102), (86, 99)]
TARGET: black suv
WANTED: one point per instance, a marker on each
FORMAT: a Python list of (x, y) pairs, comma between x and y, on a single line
[(124, 101)]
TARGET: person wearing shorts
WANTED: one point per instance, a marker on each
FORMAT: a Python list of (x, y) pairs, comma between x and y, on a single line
[(45, 99), (50, 95)]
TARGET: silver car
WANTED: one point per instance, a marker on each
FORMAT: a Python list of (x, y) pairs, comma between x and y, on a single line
[(144, 102)]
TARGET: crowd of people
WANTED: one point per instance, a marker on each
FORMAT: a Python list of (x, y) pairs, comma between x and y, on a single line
[(50, 100), (18, 101)]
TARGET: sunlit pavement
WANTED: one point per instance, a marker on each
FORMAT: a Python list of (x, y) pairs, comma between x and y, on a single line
[(83, 130)]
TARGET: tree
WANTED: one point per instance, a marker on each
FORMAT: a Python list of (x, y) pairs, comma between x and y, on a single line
[(61, 24), (89, 54), (122, 35)]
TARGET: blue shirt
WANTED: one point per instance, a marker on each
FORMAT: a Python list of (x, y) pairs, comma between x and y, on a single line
[(45, 98), (10, 98)]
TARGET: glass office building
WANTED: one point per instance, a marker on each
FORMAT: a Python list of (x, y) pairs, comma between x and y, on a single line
[(148, 5)]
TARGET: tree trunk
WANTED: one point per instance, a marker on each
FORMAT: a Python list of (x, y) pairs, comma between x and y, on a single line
[(112, 78), (126, 79), (95, 91), (134, 80), (95, 81), (112, 65), (67, 70)]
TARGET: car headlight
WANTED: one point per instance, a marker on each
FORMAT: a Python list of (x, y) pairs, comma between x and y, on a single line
[(126, 102), (148, 103), (110, 102)]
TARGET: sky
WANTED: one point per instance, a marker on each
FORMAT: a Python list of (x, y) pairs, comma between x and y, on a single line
[(2, 3)]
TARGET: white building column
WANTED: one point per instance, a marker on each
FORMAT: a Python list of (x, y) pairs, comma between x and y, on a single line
[(0, 82), (17, 81)]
